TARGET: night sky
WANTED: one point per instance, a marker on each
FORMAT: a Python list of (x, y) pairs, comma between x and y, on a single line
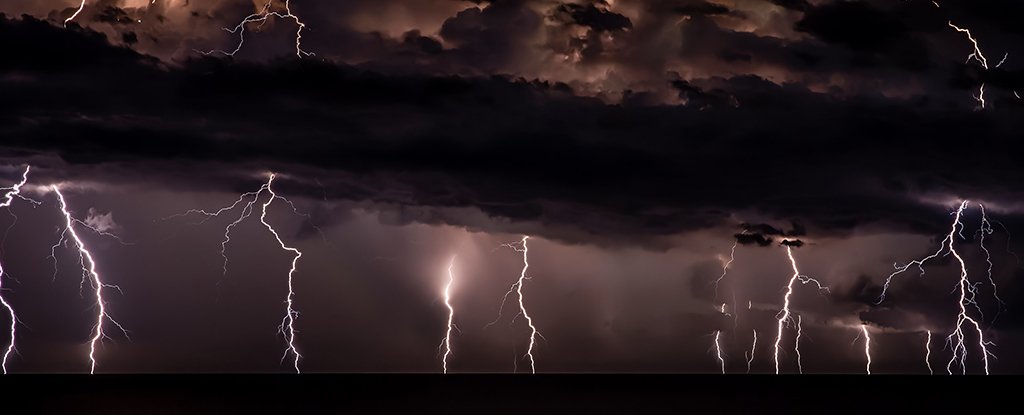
[(638, 143)]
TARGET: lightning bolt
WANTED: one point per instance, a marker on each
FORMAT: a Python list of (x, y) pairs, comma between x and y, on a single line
[(88, 271), (447, 342), (967, 292), (725, 266), (8, 198), (718, 350), (517, 288), (986, 228), (796, 344), (753, 347), (287, 327), (248, 201), (928, 353), (867, 346), (77, 12), (784, 317), (262, 17), (978, 56)]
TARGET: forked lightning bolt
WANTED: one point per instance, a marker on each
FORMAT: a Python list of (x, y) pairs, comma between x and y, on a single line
[(784, 317), (447, 342), (248, 202), (9, 194), (517, 287), (287, 327), (978, 56), (262, 17), (967, 291), (88, 272)]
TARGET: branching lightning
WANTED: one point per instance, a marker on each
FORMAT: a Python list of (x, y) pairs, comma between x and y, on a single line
[(447, 342), (9, 194), (978, 56), (785, 317), (262, 17), (287, 327), (517, 287), (88, 272), (248, 202), (967, 291)]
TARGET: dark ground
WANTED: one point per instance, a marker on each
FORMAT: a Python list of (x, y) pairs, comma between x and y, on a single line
[(484, 394)]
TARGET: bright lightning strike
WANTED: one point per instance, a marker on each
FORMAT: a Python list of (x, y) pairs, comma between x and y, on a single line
[(88, 271), (967, 291), (517, 287), (248, 201), (928, 353), (77, 12), (287, 327), (262, 17), (978, 56), (867, 346), (9, 194), (447, 342), (718, 350), (785, 316)]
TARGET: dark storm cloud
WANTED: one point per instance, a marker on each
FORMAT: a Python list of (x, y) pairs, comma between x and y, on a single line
[(753, 238), (799, 5), (518, 149), (590, 16), (488, 38), (881, 38), (701, 8)]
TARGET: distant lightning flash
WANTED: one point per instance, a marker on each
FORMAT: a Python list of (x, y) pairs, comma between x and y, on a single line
[(753, 347), (9, 194), (718, 350), (517, 287), (88, 271), (785, 314), (986, 229), (725, 266), (262, 17), (867, 346), (967, 291), (447, 343)]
